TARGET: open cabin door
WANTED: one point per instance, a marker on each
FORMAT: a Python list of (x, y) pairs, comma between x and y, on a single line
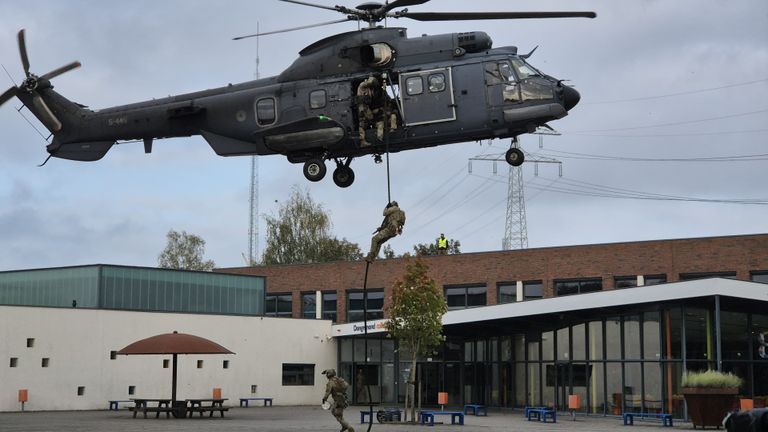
[(427, 97)]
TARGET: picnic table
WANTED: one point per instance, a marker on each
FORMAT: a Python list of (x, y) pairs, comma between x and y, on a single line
[(146, 405), (206, 405), (540, 413)]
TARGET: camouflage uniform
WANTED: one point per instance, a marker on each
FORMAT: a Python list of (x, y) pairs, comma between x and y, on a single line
[(394, 219), (337, 389), (366, 94)]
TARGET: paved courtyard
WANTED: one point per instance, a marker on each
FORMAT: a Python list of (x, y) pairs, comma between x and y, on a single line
[(304, 418)]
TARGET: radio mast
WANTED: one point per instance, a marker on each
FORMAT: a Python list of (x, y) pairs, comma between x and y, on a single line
[(253, 214)]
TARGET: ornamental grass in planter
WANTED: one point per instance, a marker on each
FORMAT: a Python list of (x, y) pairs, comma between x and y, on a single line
[(709, 396)]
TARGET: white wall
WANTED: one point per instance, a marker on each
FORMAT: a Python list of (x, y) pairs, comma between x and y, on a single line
[(78, 343)]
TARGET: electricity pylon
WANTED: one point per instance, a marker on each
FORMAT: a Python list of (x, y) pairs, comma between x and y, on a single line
[(516, 225)]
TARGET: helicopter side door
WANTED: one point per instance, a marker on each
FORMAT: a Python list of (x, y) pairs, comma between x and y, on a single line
[(427, 97)]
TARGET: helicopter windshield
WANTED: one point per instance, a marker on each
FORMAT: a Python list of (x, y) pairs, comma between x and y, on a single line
[(523, 69)]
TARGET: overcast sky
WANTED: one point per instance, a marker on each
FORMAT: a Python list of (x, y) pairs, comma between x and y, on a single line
[(667, 82)]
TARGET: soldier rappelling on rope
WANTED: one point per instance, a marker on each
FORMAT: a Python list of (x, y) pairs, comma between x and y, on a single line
[(394, 219)]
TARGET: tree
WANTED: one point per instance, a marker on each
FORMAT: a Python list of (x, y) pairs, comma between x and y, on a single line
[(184, 252), (301, 233), (415, 319), (427, 249)]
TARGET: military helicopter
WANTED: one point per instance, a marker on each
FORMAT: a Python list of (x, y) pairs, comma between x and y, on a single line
[(419, 92)]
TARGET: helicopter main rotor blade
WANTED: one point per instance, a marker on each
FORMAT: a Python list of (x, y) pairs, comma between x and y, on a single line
[(450, 16), (296, 28), (23, 52), (401, 3), (311, 4), (61, 70), (46, 115), (8, 95)]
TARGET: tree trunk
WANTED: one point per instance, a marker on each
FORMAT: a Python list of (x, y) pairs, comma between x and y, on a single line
[(411, 385)]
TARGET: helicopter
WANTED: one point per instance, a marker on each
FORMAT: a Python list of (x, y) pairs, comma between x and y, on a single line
[(365, 92)]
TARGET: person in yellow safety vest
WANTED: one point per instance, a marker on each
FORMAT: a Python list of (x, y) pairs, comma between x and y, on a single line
[(442, 245)]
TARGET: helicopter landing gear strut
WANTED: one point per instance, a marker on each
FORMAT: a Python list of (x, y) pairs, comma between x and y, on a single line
[(314, 169), (343, 175), (514, 155)]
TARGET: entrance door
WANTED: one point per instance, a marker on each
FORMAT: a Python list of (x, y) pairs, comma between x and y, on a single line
[(429, 377), (427, 97)]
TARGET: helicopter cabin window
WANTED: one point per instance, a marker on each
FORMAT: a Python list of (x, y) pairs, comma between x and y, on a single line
[(524, 70), (436, 83), (265, 111), (505, 69), (317, 99), (414, 86)]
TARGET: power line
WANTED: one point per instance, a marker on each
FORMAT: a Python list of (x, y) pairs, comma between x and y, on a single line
[(675, 123), (689, 134), (678, 93), (586, 156)]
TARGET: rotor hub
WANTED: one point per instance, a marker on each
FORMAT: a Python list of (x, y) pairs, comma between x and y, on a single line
[(31, 83)]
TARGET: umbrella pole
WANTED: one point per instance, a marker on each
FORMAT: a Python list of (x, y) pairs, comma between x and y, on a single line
[(173, 384)]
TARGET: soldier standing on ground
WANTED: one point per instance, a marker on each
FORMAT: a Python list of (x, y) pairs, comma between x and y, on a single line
[(336, 388), (394, 219), (442, 245)]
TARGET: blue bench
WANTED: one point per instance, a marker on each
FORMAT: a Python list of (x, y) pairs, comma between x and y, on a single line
[(477, 409), (113, 404), (383, 416), (244, 401), (541, 413), (428, 417), (629, 418)]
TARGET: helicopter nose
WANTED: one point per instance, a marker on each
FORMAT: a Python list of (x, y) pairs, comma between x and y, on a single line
[(570, 97)]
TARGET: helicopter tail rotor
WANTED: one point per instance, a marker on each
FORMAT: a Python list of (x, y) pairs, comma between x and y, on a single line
[(32, 85)]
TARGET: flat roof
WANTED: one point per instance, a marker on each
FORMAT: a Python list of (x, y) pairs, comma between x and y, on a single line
[(578, 302)]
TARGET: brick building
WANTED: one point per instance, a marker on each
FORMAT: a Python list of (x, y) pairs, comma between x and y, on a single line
[(488, 278)]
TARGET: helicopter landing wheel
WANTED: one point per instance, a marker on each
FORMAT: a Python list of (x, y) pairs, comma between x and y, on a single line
[(515, 156), (343, 176), (314, 170)]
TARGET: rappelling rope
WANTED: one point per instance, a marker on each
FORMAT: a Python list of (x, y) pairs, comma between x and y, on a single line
[(365, 343)]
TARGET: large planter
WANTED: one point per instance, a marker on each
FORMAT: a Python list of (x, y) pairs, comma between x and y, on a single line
[(708, 406)]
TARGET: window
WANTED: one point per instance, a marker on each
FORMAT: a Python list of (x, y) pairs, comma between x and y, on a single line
[(355, 305), (278, 305), (329, 306), (465, 297), (14, 362), (46, 361), (759, 276), (113, 355), (225, 364), (414, 86), (131, 390), (579, 286), (166, 363), (692, 276), (533, 290), (655, 279), (199, 364), (253, 388), (298, 374), (507, 293), (505, 69), (624, 282), (308, 305), (30, 342), (265, 111), (81, 390), (436, 83), (317, 99)]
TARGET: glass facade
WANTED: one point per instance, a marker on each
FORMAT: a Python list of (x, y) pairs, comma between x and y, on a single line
[(617, 362), (134, 288)]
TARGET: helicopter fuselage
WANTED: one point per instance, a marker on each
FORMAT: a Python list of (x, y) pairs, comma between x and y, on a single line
[(435, 90)]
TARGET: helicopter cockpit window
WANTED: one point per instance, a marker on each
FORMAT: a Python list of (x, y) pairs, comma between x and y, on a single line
[(414, 86), (505, 69), (524, 70), (265, 111), (317, 99), (436, 83)]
